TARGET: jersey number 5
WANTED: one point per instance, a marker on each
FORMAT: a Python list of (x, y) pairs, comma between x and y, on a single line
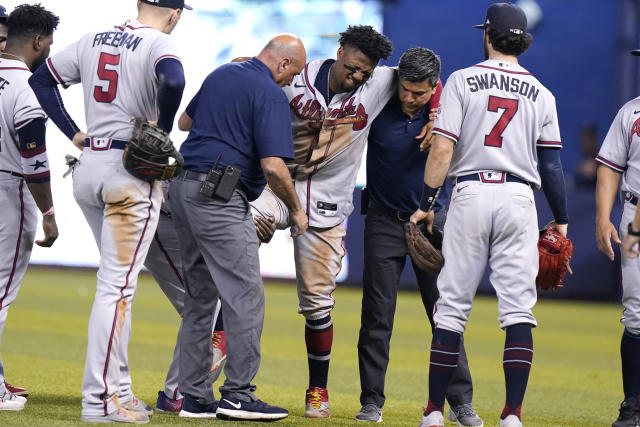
[(510, 107), (110, 76)]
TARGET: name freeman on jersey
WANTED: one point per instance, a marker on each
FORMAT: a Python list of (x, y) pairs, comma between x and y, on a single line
[(347, 114), (503, 82), (117, 39)]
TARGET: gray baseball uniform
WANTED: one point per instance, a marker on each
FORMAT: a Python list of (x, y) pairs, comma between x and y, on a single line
[(497, 114), (19, 219), (620, 152)]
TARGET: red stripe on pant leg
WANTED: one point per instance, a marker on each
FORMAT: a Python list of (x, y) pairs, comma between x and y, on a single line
[(318, 342), (15, 257), (168, 258), (115, 316)]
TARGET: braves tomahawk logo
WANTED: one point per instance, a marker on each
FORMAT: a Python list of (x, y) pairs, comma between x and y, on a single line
[(348, 113)]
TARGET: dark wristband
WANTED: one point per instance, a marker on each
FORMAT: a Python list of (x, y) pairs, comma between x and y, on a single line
[(429, 197), (631, 231)]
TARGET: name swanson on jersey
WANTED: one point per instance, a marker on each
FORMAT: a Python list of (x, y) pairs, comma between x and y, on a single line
[(504, 82)]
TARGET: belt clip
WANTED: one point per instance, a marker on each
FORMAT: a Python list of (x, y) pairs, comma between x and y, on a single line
[(493, 177)]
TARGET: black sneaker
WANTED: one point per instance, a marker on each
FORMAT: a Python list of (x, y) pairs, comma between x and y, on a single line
[(629, 414), (191, 408), (235, 409)]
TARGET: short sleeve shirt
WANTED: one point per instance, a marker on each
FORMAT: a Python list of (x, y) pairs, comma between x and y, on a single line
[(240, 116)]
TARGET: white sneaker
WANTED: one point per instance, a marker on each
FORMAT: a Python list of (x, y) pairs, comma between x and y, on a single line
[(11, 402), (511, 421), (120, 415), (434, 419)]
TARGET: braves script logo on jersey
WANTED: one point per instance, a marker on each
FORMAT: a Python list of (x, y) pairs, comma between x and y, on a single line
[(635, 130), (348, 113)]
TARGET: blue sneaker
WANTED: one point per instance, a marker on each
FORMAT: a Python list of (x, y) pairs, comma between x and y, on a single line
[(191, 408), (235, 409)]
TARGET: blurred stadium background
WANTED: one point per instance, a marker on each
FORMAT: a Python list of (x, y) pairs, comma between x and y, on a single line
[(580, 52)]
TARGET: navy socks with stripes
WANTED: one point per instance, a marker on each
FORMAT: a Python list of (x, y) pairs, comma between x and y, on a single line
[(318, 335), (445, 349), (516, 361), (630, 354)]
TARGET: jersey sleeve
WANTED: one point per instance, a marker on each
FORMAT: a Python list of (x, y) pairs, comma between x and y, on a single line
[(26, 108), (384, 82), (614, 151), (550, 134), (65, 65), (449, 121), (163, 48), (272, 128)]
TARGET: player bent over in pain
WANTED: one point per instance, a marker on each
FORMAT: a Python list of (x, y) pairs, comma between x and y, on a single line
[(23, 160), (620, 156), (491, 139), (128, 70)]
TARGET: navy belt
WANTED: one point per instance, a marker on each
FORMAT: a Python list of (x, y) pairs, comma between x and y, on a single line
[(104, 144), (194, 176), (395, 214), (501, 177), (19, 175)]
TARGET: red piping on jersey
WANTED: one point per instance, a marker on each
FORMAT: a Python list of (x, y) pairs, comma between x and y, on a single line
[(137, 28), (306, 80), (168, 258), (15, 257), (506, 71), (610, 163), (22, 123), (55, 73), (115, 315), (309, 190), (37, 175), (164, 57), (449, 134), (549, 142), (118, 27), (15, 68)]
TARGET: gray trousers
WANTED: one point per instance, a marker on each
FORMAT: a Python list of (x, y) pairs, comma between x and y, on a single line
[(385, 254), (219, 249)]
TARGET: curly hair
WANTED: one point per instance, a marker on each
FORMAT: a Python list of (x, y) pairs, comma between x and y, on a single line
[(370, 42), (419, 64), (29, 20), (509, 44)]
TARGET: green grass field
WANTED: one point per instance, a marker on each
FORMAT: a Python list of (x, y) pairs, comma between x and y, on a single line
[(575, 380)]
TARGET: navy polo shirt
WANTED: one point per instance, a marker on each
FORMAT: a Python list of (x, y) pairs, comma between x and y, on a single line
[(241, 115), (395, 164)]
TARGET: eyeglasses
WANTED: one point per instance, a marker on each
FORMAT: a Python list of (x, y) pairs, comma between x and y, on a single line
[(365, 74)]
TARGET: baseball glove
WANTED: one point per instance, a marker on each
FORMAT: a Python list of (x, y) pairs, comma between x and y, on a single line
[(555, 253), (422, 250), (148, 153)]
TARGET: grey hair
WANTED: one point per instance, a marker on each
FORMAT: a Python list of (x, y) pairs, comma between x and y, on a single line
[(419, 64)]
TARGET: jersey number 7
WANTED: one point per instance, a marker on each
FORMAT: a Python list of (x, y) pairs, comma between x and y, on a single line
[(111, 76), (510, 107)]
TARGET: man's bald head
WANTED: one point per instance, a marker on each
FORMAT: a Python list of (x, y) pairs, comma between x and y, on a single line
[(285, 56)]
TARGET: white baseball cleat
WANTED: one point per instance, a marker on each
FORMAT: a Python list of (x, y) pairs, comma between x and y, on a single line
[(11, 402), (120, 415), (434, 419), (137, 406), (219, 343), (511, 421)]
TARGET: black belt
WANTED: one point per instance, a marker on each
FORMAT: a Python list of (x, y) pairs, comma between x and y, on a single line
[(19, 175), (478, 177), (110, 143), (194, 176), (383, 210)]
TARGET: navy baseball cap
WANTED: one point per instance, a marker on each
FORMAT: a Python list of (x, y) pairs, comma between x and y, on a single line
[(173, 4), (3, 15), (506, 18)]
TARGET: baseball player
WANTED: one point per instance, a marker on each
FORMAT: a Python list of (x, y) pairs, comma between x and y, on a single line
[(333, 103), (619, 157), (24, 166), (498, 124), (127, 70), (18, 391)]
